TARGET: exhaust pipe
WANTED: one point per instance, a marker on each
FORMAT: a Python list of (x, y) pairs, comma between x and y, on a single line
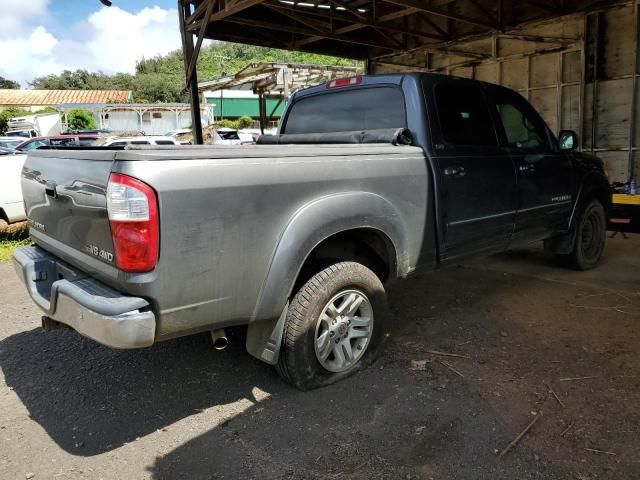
[(49, 324), (220, 340)]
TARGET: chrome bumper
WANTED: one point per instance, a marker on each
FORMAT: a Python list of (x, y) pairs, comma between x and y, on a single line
[(82, 303)]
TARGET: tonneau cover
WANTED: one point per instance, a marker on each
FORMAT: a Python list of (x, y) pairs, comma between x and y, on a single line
[(394, 136)]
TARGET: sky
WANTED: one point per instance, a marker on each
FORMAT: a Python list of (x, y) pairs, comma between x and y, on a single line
[(42, 37)]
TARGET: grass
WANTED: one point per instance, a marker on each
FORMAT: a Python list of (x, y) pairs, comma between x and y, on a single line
[(11, 237)]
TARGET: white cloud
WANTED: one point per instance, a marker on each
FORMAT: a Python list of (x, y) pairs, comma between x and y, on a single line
[(121, 38), (110, 40), (15, 14)]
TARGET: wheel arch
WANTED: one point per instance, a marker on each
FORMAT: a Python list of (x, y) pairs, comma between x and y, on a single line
[(594, 186), (355, 217)]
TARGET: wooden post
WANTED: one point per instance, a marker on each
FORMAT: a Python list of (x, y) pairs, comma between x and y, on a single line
[(262, 110), (187, 53)]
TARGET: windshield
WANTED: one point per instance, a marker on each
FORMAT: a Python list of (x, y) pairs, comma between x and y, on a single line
[(33, 145), (19, 133)]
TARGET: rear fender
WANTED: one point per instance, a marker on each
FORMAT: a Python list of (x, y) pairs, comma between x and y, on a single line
[(317, 221)]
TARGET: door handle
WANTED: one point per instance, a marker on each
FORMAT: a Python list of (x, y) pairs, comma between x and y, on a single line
[(455, 171)]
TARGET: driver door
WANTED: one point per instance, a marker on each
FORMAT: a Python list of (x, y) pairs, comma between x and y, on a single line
[(544, 173)]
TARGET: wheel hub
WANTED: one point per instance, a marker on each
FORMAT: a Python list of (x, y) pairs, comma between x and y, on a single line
[(343, 330)]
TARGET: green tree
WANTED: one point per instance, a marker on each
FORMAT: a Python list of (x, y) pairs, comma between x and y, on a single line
[(80, 119), (158, 87), (161, 78), (11, 112), (6, 83)]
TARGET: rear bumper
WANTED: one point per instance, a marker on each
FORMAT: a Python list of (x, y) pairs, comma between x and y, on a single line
[(91, 308)]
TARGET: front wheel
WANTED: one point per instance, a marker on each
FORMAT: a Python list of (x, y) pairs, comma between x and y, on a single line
[(334, 327), (591, 234)]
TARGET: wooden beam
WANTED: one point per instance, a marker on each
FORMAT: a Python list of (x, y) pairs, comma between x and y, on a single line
[(425, 18), (298, 17), (192, 85), (543, 6), (196, 51), (443, 13), (228, 11), (291, 29), (197, 13), (485, 11), (347, 7)]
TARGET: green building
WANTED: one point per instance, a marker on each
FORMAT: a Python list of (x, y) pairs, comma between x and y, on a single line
[(232, 104)]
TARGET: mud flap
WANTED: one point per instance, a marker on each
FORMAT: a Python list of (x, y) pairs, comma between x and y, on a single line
[(264, 338)]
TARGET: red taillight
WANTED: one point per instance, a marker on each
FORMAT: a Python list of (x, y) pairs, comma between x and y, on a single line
[(345, 82), (133, 216)]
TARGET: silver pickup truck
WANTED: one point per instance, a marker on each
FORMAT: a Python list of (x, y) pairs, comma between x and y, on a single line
[(296, 237)]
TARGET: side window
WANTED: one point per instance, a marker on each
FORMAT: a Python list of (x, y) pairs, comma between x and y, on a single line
[(464, 115), (523, 127), (139, 142), (164, 142)]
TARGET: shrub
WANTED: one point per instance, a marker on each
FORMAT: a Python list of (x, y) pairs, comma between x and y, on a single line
[(80, 119), (245, 122)]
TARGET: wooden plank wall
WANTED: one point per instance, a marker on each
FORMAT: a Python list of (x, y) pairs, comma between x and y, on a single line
[(589, 85)]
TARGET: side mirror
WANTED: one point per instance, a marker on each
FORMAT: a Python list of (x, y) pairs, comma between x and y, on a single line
[(568, 140)]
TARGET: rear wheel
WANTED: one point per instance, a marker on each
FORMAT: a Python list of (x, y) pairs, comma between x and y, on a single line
[(334, 327), (591, 234)]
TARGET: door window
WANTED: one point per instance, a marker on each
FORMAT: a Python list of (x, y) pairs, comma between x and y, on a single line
[(464, 115), (524, 129)]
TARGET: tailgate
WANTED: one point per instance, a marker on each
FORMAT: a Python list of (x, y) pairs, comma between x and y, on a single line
[(65, 198)]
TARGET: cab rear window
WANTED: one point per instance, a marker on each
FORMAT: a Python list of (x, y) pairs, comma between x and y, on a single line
[(348, 110)]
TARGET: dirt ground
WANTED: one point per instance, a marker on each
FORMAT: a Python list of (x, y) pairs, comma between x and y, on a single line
[(535, 341)]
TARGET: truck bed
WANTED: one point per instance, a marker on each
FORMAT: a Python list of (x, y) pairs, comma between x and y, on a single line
[(224, 212)]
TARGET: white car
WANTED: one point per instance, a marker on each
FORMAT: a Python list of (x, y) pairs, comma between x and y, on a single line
[(141, 140), (11, 206)]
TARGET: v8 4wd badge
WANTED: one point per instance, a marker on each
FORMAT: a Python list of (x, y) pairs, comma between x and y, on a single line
[(98, 252)]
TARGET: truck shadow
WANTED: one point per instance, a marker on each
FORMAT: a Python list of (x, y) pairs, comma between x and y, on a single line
[(91, 399)]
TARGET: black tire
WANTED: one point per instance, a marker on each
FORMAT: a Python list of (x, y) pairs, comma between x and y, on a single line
[(298, 364), (591, 235)]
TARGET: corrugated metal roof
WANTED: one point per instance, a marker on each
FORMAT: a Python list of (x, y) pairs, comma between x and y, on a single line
[(57, 97)]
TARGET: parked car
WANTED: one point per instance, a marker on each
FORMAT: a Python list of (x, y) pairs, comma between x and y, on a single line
[(177, 132), (369, 180), (141, 140), (10, 143), (11, 205), (57, 141), (180, 135)]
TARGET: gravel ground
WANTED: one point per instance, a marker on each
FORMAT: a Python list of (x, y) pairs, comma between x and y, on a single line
[(72, 409)]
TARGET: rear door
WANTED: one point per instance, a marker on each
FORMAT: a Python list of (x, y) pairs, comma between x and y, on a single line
[(544, 172), (477, 179)]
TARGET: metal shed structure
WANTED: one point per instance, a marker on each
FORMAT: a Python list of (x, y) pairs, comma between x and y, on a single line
[(576, 61), (275, 81)]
